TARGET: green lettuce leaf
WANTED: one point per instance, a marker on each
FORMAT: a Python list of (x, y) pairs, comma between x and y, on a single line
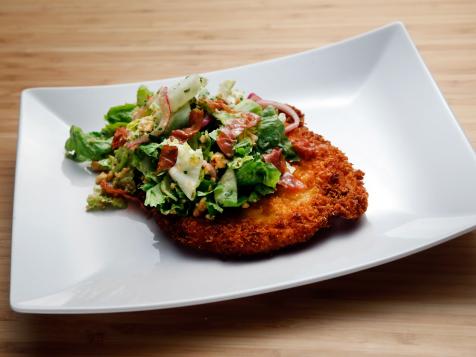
[(243, 147), (213, 209), (143, 163), (154, 196), (269, 111), (271, 135), (248, 105), (237, 162), (258, 192), (226, 192), (166, 187), (120, 114), (82, 146), (288, 150), (224, 117), (206, 187), (109, 129), (143, 94), (257, 172), (102, 165), (175, 200), (150, 149)]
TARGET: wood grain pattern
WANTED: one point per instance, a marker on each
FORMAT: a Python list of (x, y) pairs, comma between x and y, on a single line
[(420, 306)]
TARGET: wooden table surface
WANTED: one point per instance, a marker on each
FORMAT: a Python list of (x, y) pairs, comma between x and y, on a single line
[(423, 305)]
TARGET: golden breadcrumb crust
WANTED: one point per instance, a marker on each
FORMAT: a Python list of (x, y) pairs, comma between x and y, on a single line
[(333, 188)]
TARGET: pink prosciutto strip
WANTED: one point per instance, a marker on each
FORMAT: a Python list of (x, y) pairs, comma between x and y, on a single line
[(276, 158), (228, 134), (195, 120), (287, 179)]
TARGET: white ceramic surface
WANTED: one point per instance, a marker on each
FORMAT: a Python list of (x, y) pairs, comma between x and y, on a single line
[(371, 96)]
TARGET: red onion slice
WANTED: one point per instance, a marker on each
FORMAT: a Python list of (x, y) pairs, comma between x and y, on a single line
[(164, 104), (286, 109)]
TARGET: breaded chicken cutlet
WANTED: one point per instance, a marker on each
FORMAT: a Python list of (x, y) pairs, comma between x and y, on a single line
[(333, 189), (230, 174)]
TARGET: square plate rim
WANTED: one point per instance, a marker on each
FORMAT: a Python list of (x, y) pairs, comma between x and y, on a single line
[(24, 308)]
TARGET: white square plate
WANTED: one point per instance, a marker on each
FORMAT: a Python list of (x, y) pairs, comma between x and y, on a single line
[(371, 96)]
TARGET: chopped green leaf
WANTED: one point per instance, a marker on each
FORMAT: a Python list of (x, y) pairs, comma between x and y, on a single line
[(166, 188), (269, 111), (248, 105), (199, 178), (102, 165), (154, 196), (237, 162), (224, 117), (288, 150), (120, 114), (213, 208), (263, 190), (150, 150), (226, 192), (243, 147), (258, 192), (86, 146), (206, 187), (270, 133), (143, 163), (213, 134), (143, 94), (109, 129), (256, 172)]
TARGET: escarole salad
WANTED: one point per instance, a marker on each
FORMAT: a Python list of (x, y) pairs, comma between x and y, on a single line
[(182, 151)]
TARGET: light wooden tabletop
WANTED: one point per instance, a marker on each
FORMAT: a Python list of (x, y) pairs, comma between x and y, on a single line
[(424, 305)]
